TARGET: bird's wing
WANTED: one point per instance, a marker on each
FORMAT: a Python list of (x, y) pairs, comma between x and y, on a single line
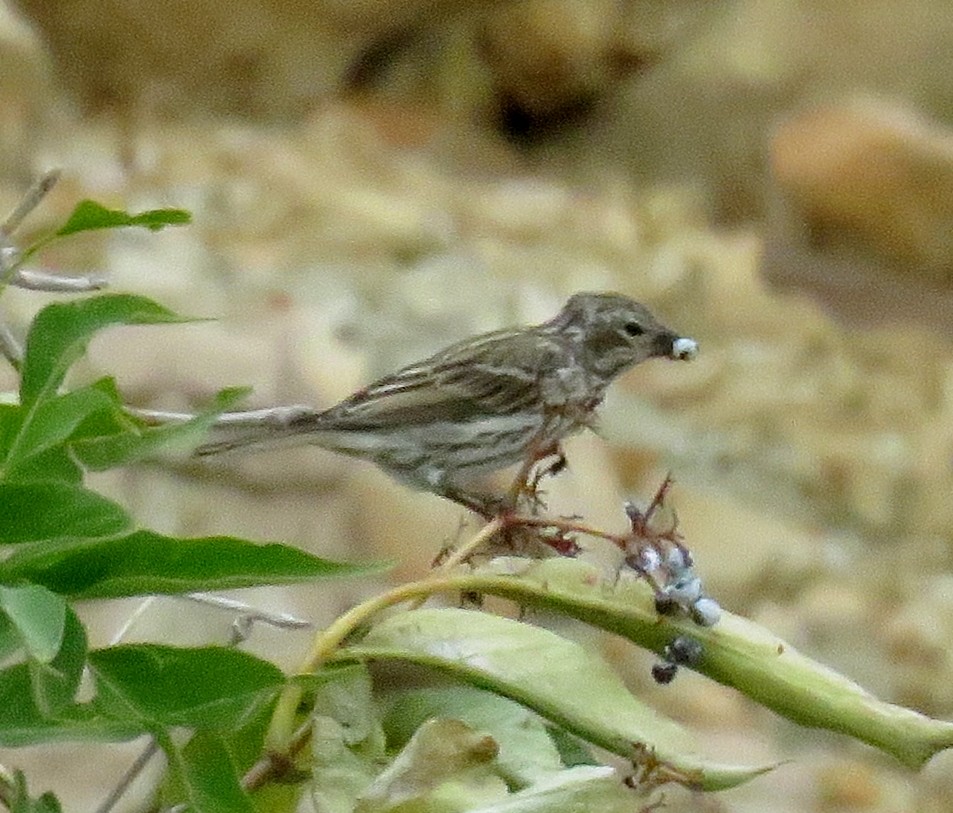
[(496, 374)]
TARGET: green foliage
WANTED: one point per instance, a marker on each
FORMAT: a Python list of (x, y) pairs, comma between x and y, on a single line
[(453, 748), (61, 542), (145, 562), (580, 693), (20, 802), (91, 216), (38, 616), (70, 512), (162, 687), (61, 331), (207, 775)]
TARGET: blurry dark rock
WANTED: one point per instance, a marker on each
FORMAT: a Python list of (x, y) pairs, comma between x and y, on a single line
[(275, 59), (538, 64), (550, 60)]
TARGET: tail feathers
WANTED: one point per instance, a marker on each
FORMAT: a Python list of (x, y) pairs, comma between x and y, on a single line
[(262, 429), (252, 441)]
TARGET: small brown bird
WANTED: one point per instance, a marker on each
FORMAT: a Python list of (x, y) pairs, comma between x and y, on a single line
[(488, 402)]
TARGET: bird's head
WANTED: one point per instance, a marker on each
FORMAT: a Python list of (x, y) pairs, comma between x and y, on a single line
[(614, 332)]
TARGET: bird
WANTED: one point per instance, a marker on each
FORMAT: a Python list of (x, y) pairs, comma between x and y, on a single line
[(485, 403)]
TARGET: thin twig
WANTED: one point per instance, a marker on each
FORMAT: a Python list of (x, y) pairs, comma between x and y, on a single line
[(123, 631), (33, 280), (468, 548), (279, 620), (277, 417), (139, 764), (565, 525), (130, 776), (273, 766), (10, 347), (158, 416), (28, 203)]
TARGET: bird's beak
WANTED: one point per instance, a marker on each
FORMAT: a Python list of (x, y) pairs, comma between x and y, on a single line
[(675, 347), (684, 349)]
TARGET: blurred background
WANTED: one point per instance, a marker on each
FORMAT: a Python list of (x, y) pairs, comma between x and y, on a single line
[(372, 179)]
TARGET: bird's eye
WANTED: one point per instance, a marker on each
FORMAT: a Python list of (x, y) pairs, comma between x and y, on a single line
[(634, 329)]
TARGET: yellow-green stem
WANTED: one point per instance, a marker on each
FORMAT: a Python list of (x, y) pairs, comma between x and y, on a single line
[(328, 640), (283, 720)]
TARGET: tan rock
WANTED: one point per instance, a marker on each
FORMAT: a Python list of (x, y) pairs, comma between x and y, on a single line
[(873, 173), (864, 214), (917, 639), (849, 784)]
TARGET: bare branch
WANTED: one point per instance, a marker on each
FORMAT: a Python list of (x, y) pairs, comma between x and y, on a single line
[(277, 417), (253, 614), (57, 283), (130, 776), (28, 203), (10, 347), (123, 631)]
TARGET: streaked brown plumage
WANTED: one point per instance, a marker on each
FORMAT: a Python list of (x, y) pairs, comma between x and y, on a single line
[(487, 402)]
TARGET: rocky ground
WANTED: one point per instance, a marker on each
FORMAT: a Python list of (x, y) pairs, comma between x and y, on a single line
[(372, 180)]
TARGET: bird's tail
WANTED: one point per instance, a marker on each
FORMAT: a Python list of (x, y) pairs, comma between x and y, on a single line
[(256, 431), (249, 440)]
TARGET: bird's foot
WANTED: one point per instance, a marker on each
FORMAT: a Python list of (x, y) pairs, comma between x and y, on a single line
[(487, 506)]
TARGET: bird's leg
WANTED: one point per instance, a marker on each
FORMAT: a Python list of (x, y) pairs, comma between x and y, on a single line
[(486, 505), (552, 468), (526, 485)]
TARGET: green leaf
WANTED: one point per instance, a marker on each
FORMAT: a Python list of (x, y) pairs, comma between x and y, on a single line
[(526, 750), (348, 699), (21, 802), (207, 775), (11, 419), (60, 333), (39, 617), (56, 464), (347, 741), (55, 683), (146, 562), (555, 677), (163, 686), (445, 766), (736, 652), (33, 512), (572, 750), (570, 791), (119, 449), (23, 723), (339, 773), (10, 640), (245, 744), (91, 216), (53, 421)]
